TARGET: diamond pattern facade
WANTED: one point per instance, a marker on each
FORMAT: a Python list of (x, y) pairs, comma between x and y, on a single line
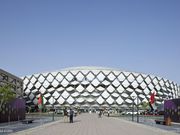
[(96, 87)]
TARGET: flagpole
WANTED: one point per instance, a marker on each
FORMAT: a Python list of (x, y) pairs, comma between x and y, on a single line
[(40, 111), (40, 105)]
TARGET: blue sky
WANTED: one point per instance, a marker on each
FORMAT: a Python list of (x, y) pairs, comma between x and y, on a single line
[(132, 35)]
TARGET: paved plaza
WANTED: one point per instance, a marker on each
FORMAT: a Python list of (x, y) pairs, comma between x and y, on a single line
[(90, 124)]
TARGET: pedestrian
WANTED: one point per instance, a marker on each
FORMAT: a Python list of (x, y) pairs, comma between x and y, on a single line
[(100, 113), (108, 113), (65, 114), (71, 113)]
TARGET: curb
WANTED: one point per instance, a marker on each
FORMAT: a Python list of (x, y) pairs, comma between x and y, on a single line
[(148, 127), (27, 131)]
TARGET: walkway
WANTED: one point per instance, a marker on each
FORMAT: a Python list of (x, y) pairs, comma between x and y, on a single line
[(90, 124)]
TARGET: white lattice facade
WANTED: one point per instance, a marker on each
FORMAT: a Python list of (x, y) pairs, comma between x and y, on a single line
[(96, 87)]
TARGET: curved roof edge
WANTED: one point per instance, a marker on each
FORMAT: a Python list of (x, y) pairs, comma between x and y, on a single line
[(96, 68), (84, 68), (89, 68)]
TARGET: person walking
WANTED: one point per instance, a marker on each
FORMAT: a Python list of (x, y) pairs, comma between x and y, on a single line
[(71, 113), (65, 114), (100, 113), (108, 113)]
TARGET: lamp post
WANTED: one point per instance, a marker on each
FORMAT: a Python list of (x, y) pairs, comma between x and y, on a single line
[(53, 109), (133, 108), (137, 110), (133, 112)]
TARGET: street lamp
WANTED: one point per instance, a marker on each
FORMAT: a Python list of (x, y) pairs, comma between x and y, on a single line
[(53, 109), (137, 110), (133, 97)]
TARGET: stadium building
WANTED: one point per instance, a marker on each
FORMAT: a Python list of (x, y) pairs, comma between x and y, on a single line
[(96, 87)]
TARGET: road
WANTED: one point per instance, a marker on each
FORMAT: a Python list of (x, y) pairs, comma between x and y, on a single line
[(90, 124)]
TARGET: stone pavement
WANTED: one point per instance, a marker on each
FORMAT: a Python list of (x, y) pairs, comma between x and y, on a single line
[(90, 124)]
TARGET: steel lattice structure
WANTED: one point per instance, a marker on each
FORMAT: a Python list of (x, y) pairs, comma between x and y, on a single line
[(96, 87)]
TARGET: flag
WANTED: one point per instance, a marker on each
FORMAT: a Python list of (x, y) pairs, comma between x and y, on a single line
[(40, 102), (152, 98)]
